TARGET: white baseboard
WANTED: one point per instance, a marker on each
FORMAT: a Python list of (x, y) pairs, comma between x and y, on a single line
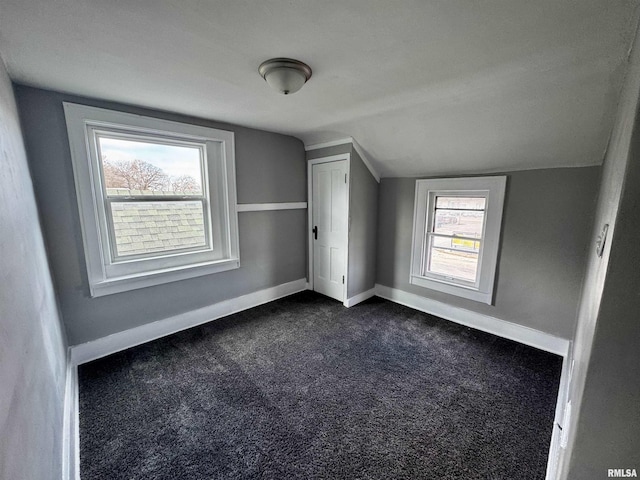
[(496, 326), (71, 426), (85, 352), (361, 297), (554, 461)]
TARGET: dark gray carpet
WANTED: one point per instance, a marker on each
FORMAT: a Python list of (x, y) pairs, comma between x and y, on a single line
[(303, 388)]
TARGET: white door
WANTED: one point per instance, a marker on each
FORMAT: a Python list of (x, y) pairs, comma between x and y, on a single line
[(329, 223)]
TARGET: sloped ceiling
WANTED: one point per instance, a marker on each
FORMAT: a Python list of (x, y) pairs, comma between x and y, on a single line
[(426, 87)]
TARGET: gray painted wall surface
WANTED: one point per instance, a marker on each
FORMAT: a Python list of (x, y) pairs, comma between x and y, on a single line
[(32, 345), (363, 225), (605, 393), (546, 225), (270, 168), (328, 151)]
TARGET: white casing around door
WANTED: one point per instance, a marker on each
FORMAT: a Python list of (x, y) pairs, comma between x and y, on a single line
[(330, 215)]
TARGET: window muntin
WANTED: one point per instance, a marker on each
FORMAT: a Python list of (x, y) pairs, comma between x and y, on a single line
[(456, 235), (208, 226)]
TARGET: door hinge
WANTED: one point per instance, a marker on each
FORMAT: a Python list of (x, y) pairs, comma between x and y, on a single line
[(343, 279), (345, 178)]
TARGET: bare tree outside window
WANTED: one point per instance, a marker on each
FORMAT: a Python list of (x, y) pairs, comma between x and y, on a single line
[(140, 175), (185, 183), (134, 175)]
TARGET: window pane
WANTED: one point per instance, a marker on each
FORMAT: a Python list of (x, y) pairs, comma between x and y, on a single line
[(457, 264), (138, 167), (464, 223), (455, 243), (149, 227), (467, 203)]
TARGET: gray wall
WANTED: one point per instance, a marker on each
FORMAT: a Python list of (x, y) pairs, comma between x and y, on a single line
[(328, 151), (270, 168), (32, 345), (546, 225), (605, 392), (363, 225)]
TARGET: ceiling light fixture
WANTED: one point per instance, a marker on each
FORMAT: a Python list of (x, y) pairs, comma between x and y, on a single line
[(285, 74)]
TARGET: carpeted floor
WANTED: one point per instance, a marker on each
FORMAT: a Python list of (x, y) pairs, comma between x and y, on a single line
[(303, 388)]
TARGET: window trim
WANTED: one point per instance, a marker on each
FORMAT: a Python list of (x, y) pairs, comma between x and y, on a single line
[(106, 276), (493, 189)]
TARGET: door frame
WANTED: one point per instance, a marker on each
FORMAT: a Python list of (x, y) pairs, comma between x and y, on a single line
[(310, 164)]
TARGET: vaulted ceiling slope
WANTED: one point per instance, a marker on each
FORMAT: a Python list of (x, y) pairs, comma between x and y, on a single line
[(425, 87)]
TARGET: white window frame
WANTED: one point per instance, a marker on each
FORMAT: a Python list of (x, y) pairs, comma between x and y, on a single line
[(493, 189), (108, 273)]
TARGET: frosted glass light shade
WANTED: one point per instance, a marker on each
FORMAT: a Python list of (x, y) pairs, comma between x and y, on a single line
[(285, 75)]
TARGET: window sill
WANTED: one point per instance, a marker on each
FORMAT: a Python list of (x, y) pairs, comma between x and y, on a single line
[(451, 289), (158, 277)]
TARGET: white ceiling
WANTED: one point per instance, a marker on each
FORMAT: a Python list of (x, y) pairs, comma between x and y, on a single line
[(425, 87)]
